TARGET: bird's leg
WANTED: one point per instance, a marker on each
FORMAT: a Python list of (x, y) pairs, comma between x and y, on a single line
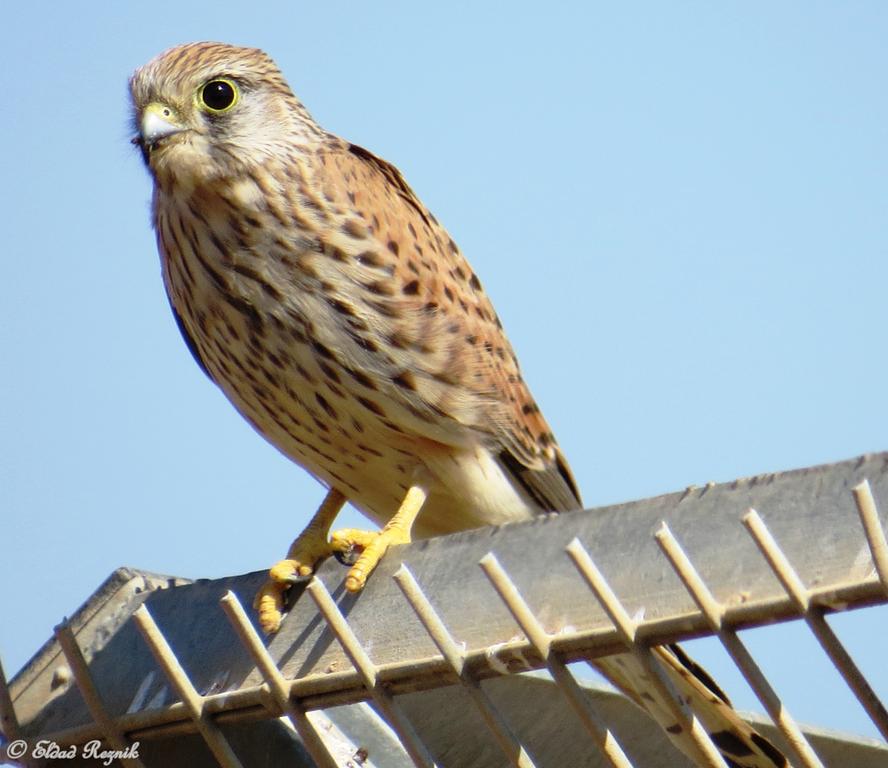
[(375, 544), (310, 547)]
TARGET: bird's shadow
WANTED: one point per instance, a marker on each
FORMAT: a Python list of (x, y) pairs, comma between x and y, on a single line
[(296, 597)]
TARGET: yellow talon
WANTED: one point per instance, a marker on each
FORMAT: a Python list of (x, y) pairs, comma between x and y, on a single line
[(375, 544), (269, 603), (312, 546), (306, 552)]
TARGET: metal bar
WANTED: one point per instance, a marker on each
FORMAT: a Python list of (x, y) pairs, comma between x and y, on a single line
[(9, 724), (277, 684), (91, 697), (713, 612), (392, 711), (814, 618), (530, 625), (511, 747), (425, 612), (194, 702), (779, 563), (708, 752), (875, 534), (849, 670)]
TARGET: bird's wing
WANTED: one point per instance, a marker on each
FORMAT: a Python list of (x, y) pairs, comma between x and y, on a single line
[(443, 329), (739, 744), (189, 341)]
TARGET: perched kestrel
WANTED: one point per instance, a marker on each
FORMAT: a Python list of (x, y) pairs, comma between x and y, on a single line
[(338, 316)]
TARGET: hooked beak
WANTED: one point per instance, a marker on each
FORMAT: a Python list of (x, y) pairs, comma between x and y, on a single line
[(158, 122)]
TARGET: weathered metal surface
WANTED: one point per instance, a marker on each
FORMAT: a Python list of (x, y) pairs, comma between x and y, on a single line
[(47, 678), (451, 728), (810, 512), (554, 736)]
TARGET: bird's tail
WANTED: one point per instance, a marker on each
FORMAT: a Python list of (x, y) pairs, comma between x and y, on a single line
[(739, 744)]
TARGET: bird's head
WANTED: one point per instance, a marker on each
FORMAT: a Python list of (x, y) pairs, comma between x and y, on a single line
[(205, 110)]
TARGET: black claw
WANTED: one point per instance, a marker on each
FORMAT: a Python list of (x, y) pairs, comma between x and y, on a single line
[(348, 557), (298, 578)]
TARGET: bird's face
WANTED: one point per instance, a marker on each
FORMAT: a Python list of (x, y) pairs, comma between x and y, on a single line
[(206, 110)]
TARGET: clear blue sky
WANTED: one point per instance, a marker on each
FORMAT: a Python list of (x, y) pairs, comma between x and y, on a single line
[(678, 208)]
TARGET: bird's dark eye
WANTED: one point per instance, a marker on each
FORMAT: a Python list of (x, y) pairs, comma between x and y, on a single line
[(218, 95)]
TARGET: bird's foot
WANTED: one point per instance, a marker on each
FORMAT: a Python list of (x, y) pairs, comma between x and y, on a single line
[(373, 545), (363, 550), (307, 552)]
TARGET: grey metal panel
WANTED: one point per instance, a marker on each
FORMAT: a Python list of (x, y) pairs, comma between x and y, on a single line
[(545, 724), (46, 678), (811, 513), (533, 707)]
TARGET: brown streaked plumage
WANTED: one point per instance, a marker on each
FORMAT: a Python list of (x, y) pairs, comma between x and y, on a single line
[(337, 315), (332, 308)]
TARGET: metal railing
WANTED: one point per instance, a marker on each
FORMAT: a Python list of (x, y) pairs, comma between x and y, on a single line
[(276, 694)]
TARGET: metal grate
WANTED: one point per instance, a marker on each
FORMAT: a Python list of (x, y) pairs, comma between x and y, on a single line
[(550, 578)]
